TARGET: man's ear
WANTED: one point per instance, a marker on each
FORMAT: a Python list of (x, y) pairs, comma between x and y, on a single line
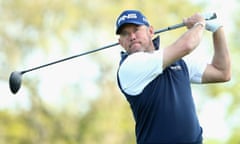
[(151, 30), (119, 41)]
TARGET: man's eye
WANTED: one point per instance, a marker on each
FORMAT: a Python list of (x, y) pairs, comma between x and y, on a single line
[(137, 28), (124, 33)]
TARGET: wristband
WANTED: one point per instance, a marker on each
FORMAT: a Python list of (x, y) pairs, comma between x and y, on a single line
[(199, 23)]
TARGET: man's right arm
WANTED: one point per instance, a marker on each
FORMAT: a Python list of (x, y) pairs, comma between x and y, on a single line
[(187, 42)]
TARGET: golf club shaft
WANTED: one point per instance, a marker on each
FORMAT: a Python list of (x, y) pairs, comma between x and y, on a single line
[(209, 16), (71, 57)]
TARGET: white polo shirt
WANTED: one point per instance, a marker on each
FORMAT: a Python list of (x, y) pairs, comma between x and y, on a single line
[(140, 68)]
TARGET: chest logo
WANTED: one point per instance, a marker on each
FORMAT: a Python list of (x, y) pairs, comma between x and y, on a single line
[(176, 67)]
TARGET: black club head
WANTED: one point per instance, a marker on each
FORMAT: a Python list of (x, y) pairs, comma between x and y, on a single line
[(15, 81)]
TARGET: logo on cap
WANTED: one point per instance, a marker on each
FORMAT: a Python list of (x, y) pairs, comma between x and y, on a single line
[(129, 16)]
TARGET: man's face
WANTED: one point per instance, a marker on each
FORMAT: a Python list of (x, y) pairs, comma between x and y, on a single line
[(135, 38)]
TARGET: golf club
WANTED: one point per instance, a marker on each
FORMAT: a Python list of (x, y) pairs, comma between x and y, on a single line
[(15, 78)]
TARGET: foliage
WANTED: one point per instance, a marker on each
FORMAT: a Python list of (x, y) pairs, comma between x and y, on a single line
[(29, 27)]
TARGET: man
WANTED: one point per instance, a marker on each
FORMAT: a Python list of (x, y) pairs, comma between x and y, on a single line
[(156, 82)]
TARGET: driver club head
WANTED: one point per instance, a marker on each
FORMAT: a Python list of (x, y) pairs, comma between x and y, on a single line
[(15, 81)]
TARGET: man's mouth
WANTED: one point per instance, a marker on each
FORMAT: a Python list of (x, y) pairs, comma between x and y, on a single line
[(134, 44)]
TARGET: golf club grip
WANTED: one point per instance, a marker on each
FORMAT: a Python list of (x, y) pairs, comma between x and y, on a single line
[(207, 16)]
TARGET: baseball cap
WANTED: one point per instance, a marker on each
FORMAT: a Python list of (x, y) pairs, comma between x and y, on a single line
[(130, 17)]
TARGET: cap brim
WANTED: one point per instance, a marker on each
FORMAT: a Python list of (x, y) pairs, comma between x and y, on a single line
[(128, 22)]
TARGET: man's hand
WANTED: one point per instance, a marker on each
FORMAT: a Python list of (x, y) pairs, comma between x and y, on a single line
[(194, 20)]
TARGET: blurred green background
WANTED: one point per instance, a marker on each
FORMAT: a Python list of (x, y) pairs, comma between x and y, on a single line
[(78, 102)]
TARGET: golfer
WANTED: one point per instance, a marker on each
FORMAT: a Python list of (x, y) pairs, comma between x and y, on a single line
[(156, 81)]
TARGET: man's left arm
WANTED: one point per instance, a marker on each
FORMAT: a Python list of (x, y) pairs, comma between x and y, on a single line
[(220, 68)]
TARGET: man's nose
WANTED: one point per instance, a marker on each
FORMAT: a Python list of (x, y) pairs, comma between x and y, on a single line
[(132, 36)]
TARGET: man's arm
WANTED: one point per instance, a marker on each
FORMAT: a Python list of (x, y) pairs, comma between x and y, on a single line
[(220, 68), (187, 42)]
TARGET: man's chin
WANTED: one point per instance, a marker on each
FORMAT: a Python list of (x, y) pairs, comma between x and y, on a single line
[(137, 50)]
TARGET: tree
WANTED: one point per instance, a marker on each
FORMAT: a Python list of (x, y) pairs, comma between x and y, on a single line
[(32, 28)]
